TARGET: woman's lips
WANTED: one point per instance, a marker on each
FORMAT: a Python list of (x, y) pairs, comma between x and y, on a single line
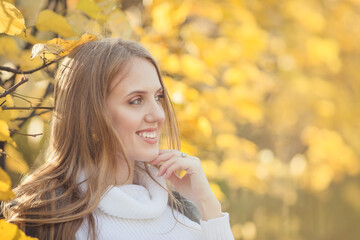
[(149, 135)]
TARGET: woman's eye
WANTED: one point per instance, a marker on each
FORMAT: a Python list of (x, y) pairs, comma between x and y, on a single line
[(159, 97), (136, 101)]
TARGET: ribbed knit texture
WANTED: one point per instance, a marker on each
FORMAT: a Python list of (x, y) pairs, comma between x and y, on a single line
[(140, 211)]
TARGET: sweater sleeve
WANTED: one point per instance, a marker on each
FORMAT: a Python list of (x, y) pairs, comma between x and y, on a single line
[(217, 228)]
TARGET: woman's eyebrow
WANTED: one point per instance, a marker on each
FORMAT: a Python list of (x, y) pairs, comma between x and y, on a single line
[(143, 92)]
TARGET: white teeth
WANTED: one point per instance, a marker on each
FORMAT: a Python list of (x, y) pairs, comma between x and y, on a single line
[(147, 134)]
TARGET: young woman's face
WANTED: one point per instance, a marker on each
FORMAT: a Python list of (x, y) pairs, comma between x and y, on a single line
[(135, 106)]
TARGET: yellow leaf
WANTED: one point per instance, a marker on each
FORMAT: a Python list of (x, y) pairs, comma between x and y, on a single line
[(9, 231), (9, 48), (7, 115), (171, 63), (68, 47), (326, 147), (10, 1), (83, 24), (314, 20), (204, 126), (243, 148), (47, 51), (5, 187), (26, 64), (15, 161), (322, 50), (60, 42), (4, 178), (192, 66), (167, 16), (161, 16), (58, 47), (191, 94), (233, 76), (241, 173), (29, 38), (321, 177), (224, 141), (210, 10), (216, 115), (11, 20), (91, 8), (249, 110), (51, 21), (4, 130)]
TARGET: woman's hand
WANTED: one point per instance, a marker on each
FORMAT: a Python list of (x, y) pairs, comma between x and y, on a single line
[(194, 185)]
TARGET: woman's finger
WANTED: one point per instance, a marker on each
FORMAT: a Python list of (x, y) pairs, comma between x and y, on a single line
[(164, 167), (181, 163), (166, 150), (171, 169), (165, 156)]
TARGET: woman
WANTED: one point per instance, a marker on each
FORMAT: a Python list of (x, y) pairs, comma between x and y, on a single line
[(105, 177)]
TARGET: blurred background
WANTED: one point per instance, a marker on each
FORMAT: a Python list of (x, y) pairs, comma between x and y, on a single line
[(267, 95)]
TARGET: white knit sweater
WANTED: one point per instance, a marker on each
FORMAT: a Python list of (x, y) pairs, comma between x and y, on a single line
[(140, 211)]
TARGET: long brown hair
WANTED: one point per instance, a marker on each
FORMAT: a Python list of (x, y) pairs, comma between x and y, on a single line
[(82, 143)]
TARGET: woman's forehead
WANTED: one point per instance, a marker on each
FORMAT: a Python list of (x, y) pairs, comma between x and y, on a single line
[(137, 74)]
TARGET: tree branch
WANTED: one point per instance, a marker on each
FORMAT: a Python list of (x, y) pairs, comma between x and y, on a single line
[(7, 69), (2, 155), (25, 108), (25, 96), (30, 103), (13, 88), (24, 134), (28, 117), (49, 89)]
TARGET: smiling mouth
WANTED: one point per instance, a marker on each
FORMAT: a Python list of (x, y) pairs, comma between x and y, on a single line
[(149, 135)]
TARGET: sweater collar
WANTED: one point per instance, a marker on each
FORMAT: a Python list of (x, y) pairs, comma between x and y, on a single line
[(144, 200)]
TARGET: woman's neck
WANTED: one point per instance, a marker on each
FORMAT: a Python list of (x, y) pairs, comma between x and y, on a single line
[(122, 176)]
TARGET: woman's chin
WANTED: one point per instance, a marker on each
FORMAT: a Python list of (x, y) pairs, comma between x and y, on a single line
[(148, 157)]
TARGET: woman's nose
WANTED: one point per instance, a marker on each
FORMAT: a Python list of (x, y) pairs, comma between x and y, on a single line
[(155, 113)]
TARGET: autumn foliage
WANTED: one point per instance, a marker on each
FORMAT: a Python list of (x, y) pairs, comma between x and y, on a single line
[(267, 95)]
